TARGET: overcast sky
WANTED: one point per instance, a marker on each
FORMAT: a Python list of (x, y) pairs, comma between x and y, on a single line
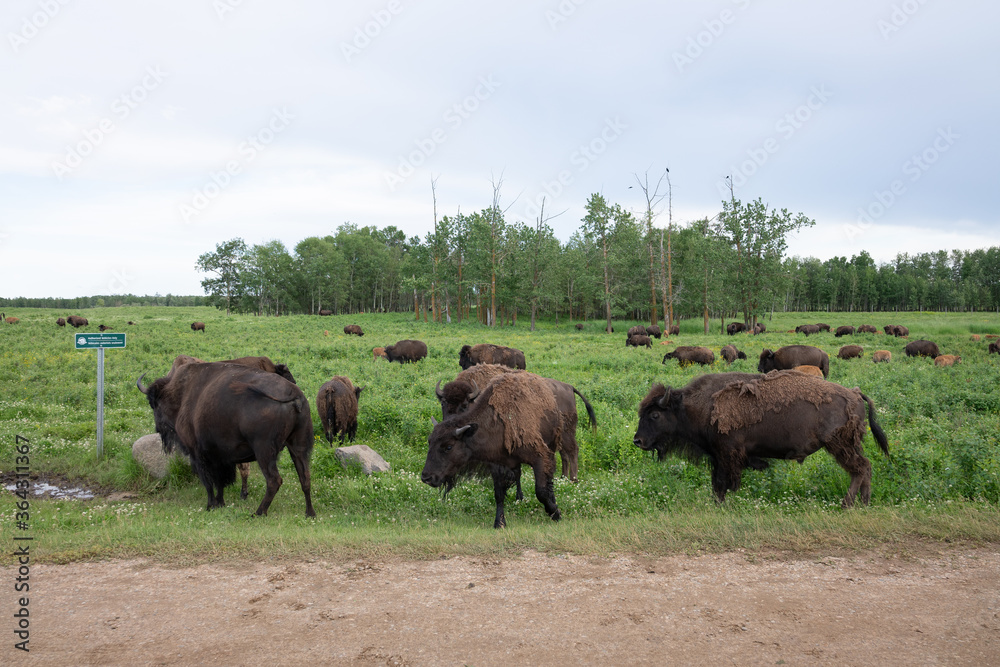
[(137, 135)]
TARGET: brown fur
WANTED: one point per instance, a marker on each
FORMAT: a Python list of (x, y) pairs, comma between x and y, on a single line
[(487, 353), (521, 402), (639, 340), (922, 348), (353, 330), (337, 405), (731, 354), (579, 326), (790, 356), (61, 322), (654, 331), (674, 330), (867, 328), (850, 352), (993, 348), (809, 370), (845, 330), (741, 404), (691, 354), (198, 326), (975, 337), (378, 352), (637, 330), (947, 360), (880, 356), (11, 320), (76, 321)]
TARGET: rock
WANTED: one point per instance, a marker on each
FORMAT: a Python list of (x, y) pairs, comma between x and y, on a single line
[(362, 455), (148, 452)]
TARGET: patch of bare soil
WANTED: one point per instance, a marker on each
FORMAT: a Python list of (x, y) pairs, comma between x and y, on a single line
[(864, 609)]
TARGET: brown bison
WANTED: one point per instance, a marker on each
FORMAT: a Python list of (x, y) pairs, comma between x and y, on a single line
[(337, 405), (579, 326), (406, 351), (731, 354), (514, 421), (654, 331), (637, 330), (974, 338), (922, 348), (76, 321), (896, 330), (325, 313), (807, 329), (486, 353), (823, 326), (867, 328), (131, 323), (353, 330), (11, 320), (846, 330), (993, 348), (791, 356), (881, 356), (675, 330), (102, 328), (809, 370), (639, 340), (947, 360), (220, 415), (61, 322), (690, 354), (379, 353), (198, 326), (850, 352), (738, 420), (759, 328), (736, 327)]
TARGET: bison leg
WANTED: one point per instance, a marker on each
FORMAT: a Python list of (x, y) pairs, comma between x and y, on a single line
[(503, 479), (544, 489), (269, 468), (302, 469), (352, 431), (244, 475)]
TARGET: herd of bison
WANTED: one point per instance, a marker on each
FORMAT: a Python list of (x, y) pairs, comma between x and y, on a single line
[(498, 417)]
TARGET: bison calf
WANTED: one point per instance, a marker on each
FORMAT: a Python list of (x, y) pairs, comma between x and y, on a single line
[(790, 356), (731, 354), (378, 353), (61, 322), (337, 405), (881, 356), (947, 360), (809, 370)]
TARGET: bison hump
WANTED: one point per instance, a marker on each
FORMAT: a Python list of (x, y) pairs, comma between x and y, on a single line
[(521, 402), (744, 403)]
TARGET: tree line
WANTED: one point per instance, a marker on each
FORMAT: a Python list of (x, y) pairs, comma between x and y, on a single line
[(103, 300)]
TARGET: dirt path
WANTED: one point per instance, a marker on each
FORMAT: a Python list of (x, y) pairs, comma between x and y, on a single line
[(866, 609)]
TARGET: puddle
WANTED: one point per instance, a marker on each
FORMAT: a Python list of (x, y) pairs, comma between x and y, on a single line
[(55, 487), (46, 490)]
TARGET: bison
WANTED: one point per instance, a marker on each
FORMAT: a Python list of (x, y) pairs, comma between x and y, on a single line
[(736, 327), (922, 348), (974, 338), (675, 330), (846, 330), (579, 326), (993, 348), (337, 405), (739, 420), (406, 351), (76, 321), (514, 421), (353, 330), (807, 329), (131, 323), (759, 328), (102, 328), (61, 322), (791, 356), (881, 356), (850, 352), (896, 330), (198, 326), (654, 331), (486, 353), (947, 360), (823, 326), (639, 340), (11, 320), (637, 330), (867, 328), (731, 354), (325, 313), (690, 354), (220, 415), (378, 353), (809, 370)]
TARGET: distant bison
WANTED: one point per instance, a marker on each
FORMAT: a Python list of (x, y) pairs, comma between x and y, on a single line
[(731, 354), (947, 360), (198, 326), (337, 405), (406, 351), (850, 352), (77, 321), (759, 328), (637, 330), (579, 326), (675, 330), (61, 322), (325, 313), (809, 370), (881, 356), (131, 323), (845, 330), (867, 328), (896, 330), (379, 352), (791, 356), (102, 328), (736, 327), (691, 354), (486, 353), (11, 320), (807, 329), (353, 330), (823, 326), (974, 338), (654, 331), (639, 340), (993, 348), (738, 420), (922, 348)]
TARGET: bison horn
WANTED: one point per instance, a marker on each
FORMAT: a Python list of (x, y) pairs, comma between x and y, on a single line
[(461, 430), (433, 422), (475, 391), (666, 399), (437, 390), (138, 383)]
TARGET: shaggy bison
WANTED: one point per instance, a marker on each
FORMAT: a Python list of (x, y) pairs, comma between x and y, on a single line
[(325, 313), (337, 405), (881, 356), (947, 360), (198, 326), (220, 415), (639, 340), (993, 348), (378, 352), (867, 328), (485, 353), (850, 352), (353, 330), (736, 327), (102, 328), (759, 328), (845, 330), (579, 326), (823, 326), (675, 330), (731, 354), (809, 370), (922, 348), (896, 330), (514, 421), (807, 329), (406, 351), (738, 420), (76, 321), (61, 322), (637, 330), (654, 331), (690, 354), (791, 356)]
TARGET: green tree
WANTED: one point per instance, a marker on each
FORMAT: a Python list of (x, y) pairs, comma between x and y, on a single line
[(228, 263)]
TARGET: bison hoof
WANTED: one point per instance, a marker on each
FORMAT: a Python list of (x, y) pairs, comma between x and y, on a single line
[(556, 515)]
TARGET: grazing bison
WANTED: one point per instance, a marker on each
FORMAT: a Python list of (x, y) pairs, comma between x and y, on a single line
[(809, 370), (736, 327), (11, 320), (731, 354), (406, 351), (514, 421), (675, 330), (61, 322), (325, 313), (845, 330), (378, 353), (738, 420), (881, 356), (102, 328), (690, 354), (486, 353), (337, 405), (922, 348), (791, 356), (974, 338), (76, 321), (993, 348), (579, 326), (807, 329), (850, 352), (947, 360), (198, 326), (654, 331), (637, 330), (823, 326), (353, 330), (867, 328), (131, 323), (639, 340), (759, 328), (896, 330), (220, 415)]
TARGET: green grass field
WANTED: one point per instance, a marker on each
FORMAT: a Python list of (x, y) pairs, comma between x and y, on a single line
[(942, 423)]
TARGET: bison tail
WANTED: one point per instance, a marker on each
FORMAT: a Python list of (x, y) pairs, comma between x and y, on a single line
[(877, 431), (590, 408), (330, 419)]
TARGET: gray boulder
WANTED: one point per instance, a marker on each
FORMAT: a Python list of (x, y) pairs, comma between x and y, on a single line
[(148, 452), (363, 456)]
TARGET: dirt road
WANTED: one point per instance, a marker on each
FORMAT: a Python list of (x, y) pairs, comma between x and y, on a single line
[(865, 609)]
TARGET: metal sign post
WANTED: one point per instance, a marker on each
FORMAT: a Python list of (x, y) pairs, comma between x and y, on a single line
[(99, 341)]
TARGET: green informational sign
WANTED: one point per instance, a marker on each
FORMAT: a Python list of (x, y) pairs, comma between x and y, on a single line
[(95, 341)]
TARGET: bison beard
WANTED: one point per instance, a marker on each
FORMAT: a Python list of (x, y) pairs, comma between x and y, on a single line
[(738, 419)]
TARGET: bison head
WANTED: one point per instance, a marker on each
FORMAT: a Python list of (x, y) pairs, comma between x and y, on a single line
[(464, 358), (661, 418), (282, 370), (164, 414), (766, 362), (448, 452), (456, 397)]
